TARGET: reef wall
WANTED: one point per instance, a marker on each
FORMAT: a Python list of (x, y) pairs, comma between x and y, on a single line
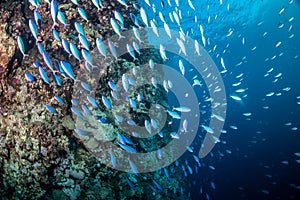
[(40, 156)]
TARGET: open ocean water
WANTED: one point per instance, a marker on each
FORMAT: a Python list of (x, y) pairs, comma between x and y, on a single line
[(263, 159), (263, 164)]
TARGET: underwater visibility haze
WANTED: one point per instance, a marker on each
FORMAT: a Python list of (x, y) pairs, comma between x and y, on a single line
[(150, 99)]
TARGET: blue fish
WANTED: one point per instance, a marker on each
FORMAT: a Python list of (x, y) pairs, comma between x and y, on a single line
[(29, 77), (134, 19), (136, 6), (130, 184), (79, 28), (114, 95), (84, 41), (40, 48), (127, 148), (75, 2), (135, 134), (97, 3), (66, 46), (77, 112), (36, 64), (158, 185), (123, 2), (137, 33), (112, 85), (81, 132), (213, 186), (121, 138), (173, 114), (92, 101), (33, 29), (47, 61), (131, 81), (51, 109), (87, 66), (44, 75), (113, 159), (131, 122), (139, 97), (133, 167), (136, 47), (101, 47), (166, 172), (100, 119), (125, 82), (132, 103), (56, 35), (35, 3), (120, 18), (119, 118), (106, 102), (161, 134), (60, 69), (21, 45), (144, 16), (86, 86), (116, 27), (153, 189), (67, 67), (86, 109), (74, 102), (59, 99), (74, 51), (174, 135), (113, 49), (148, 126), (61, 17), (83, 13), (37, 18), (127, 140), (100, 3), (131, 51), (54, 11), (124, 96), (86, 56), (190, 170)]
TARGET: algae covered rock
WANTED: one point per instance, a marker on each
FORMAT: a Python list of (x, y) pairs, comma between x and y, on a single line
[(41, 157)]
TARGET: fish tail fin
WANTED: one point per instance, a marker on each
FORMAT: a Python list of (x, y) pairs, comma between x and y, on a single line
[(55, 24), (65, 26), (120, 37)]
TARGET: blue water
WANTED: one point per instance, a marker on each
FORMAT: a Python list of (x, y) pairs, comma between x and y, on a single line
[(254, 169)]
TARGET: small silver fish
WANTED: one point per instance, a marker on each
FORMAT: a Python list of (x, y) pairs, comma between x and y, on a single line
[(144, 16), (21, 45), (106, 102), (101, 47), (182, 109), (116, 27), (162, 52), (113, 50), (148, 126), (125, 82), (137, 34)]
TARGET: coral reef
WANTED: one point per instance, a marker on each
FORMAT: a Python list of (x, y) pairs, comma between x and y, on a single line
[(40, 155)]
